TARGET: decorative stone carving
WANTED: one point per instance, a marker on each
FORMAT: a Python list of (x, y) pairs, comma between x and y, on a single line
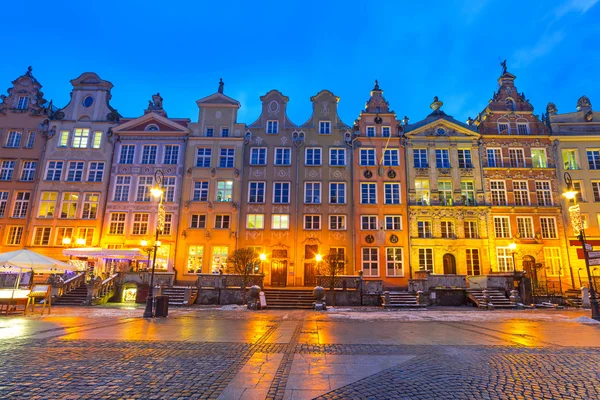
[(466, 171), (583, 102), (421, 171), (273, 107), (444, 172)]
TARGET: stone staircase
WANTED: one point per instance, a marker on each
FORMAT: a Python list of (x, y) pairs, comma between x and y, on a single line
[(75, 297), (497, 297), (177, 295), (401, 300), (289, 299), (572, 298)]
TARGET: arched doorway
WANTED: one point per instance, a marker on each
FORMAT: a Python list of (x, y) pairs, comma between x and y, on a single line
[(449, 264)]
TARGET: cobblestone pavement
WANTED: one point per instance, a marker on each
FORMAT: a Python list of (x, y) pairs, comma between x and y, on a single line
[(81, 363)]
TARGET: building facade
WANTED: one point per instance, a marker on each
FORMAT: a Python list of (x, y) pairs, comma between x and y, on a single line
[(448, 218), (146, 148), (24, 122), (521, 186), (380, 206)]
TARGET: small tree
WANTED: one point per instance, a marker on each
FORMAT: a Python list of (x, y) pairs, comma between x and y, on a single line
[(242, 262), (333, 265)]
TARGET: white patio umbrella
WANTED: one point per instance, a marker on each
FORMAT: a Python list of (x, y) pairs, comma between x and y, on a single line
[(19, 260)]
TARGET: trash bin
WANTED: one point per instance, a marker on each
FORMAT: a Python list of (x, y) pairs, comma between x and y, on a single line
[(161, 306)]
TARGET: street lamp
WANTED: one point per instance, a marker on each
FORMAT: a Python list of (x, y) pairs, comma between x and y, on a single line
[(577, 224), (263, 258), (318, 258), (157, 192), (513, 247)]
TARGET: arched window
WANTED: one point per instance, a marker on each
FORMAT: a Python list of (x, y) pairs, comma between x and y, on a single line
[(522, 126), (510, 104), (152, 127), (503, 125)]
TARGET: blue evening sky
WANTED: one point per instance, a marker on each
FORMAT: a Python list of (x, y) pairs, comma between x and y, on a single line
[(416, 49)]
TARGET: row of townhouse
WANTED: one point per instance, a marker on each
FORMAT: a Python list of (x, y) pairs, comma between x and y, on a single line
[(390, 196)]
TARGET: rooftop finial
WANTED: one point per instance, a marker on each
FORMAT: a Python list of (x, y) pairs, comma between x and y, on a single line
[(29, 69), (503, 65), (221, 85), (436, 104), (376, 85)]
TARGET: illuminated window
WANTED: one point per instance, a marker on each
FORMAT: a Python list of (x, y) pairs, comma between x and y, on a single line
[(194, 260), (47, 204), (538, 158), (219, 260), (41, 236), (63, 139), (62, 233), (422, 192), (224, 191), (80, 138), (255, 221), (504, 258), (68, 208), (86, 234), (445, 191), (97, 140), (280, 221), (122, 185), (90, 205), (571, 159)]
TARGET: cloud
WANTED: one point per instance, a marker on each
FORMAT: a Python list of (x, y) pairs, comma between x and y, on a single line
[(579, 6), (543, 46)]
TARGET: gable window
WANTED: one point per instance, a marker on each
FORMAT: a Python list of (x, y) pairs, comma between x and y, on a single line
[(283, 155), (392, 193), (391, 157), (97, 140), (502, 227), (122, 185), (41, 236), (68, 207), (169, 183), (63, 139), (13, 140), (200, 191), (420, 158), (28, 171), (522, 128), (494, 158), (224, 131), (117, 223), (198, 221), (312, 222), (313, 156), (47, 204), (385, 131), (90, 205), (370, 261), (149, 154), (222, 221), (281, 192), (498, 189), (367, 157), (464, 158), (337, 193), (75, 171), (95, 171), (312, 192), (227, 158), (368, 222), (337, 222), (538, 158), (543, 193), (256, 192), (368, 193), (337, 157), (442, 158), (22, 102), (324, 127), (7, 169), (21, 205), (258, 156), (140, 224), (393, 222), (517, 158), (171, 154), (203, 157), (143, 188), (503, 127), (127, 153), (30, 140), (224, 191), (210, 131), (370, 131), (521, 193), (525, 227), (280, 221), (272, 127), (80, 138), (255, 221), (571, 159)]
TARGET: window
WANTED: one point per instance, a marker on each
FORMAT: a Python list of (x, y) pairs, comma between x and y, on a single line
[(367, 157), (525, 227), (169, 183), (210, 131), (6, 170), (337, 193), (41, 236), (337, 222), (577, 185), (593, 159), (256, 192), (62, 233), (47, 204), (95, 171), (255, 221), (13, 140), (473, 266), (200, 191), (502, 227), (337, 157), (596, 190), (75, 171), (445, 191), (167, 225), (140, 224), (464, 158), (194, 259), (283, 156), (198, 221), (498, 193), (203, 157), (424, 229), (538, 158), (143, 188), (494, 158), (122, 188), (370, 261), (368, 193), (422, 192), (3, 203), (521, 193), (149, 154), (553, 261), (391, 157), (548, 225), (394, 261), (224, 131), (272, 127), (117, 223), (219, 261), (280, 221), (312, 222), (97, 140), (172, 154), (467, 191), (324, 127), (471, 231), (15, 233), (447, 229), (68, 208), (226, 158), (393, 222), (503, 126), (339, 256), (86, 234), (30, 140), (313, 156), (504, 257), (258, 156), (392, 193), (80, 138), (312, 192), (368, 222), (571, 159), (21, 205), (385, 131), (222, 221), (127, 153), (420, 158), (281, 192), (28, 171), (63, 139), (543, 193), (90, 205), (22, 102), (426, 260), (224, 191), (517, 158), (442, 158), (54, 170), (522, 128), (370, 131)]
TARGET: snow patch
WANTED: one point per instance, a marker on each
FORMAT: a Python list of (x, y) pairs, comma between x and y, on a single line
[(232, 307), (586, 320)]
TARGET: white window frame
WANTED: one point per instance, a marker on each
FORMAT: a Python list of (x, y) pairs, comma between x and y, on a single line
[(324, 127), (261, 152), (397, 265), (272, 127), (426, 253), (548, 227), (525, 227), (370, 156), (395, 220), (81, 137), (284, 151), (504, 227), (284, 185), (309, 221), (198, 221), (202, 189), (280, 221), (257, 187), (392, 199), (371, 188), (313, 192), (338, 222), (504, 259), (337, 150), (312, 162), (370, 220), (339, 190), (207, 154), (255, 221), (370, 257)]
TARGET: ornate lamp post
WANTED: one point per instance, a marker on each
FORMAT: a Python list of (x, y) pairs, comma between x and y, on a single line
[(577, 224), (157, 192)]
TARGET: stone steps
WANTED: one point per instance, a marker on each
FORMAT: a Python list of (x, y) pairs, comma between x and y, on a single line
[(75, 297), (402, 300), (496, 297), (289, 299), (177, 295)]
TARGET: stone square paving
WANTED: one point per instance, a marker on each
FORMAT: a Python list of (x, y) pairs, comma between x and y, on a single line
[(213, 353)]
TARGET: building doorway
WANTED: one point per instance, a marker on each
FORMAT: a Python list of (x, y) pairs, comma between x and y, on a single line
[(279, 273), (530, 268), (449, 264), (310, 266)]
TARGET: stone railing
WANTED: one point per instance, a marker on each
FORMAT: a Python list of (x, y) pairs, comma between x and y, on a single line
[(372, 286), (99, 291), (60, 287), (227, 280), (340, 282), (425, 281), (497, 281), (143, 278)]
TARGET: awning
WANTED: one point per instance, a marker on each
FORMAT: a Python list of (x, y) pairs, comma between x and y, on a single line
[(98, 252), (24, 260)]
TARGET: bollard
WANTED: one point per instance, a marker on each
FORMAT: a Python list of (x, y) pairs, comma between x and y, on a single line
[(386, 297), (485, 298), (585, 297), (514, 297), (421, 297)]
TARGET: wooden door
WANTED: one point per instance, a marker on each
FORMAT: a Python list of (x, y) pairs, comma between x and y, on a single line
[(449, 264), (278, 273)]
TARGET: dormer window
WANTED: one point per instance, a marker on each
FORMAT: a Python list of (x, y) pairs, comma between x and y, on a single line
[(23, 102), (152, 127), (272, 127), (503, 126), (324, 127)]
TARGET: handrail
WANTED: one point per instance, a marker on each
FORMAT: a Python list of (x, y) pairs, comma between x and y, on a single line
[(107, 285)]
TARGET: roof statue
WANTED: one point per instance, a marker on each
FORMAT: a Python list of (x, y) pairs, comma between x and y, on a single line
[(551, 109), (376, 87), (583, 102), (221, 85), (503, 65)]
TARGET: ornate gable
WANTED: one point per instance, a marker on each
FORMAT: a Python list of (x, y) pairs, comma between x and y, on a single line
[(377, 104), (324, 107), (274, 107), (150, 122), (218, 99), (25, 96)]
